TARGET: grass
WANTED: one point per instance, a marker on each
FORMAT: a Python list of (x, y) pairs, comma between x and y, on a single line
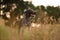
[(44, 32), (4, 34)]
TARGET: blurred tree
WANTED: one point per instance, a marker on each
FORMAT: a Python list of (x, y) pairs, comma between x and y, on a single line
[(42, 8), (21, 5), (53, 11)]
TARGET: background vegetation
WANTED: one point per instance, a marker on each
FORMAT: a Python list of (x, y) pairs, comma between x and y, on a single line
[(48, 18)]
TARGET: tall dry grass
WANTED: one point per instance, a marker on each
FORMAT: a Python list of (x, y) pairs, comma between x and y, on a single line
[(44, 32)]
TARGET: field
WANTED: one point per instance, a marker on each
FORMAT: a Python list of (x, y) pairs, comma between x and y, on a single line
[(44, 32)]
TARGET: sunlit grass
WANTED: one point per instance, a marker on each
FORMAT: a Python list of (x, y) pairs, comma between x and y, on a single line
[(4, 34), (43, 32)]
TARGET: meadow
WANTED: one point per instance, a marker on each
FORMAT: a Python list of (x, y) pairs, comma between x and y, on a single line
[(43, 32)]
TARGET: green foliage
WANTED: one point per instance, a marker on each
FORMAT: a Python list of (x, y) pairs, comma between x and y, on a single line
[(42, 8), (53, 11)]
